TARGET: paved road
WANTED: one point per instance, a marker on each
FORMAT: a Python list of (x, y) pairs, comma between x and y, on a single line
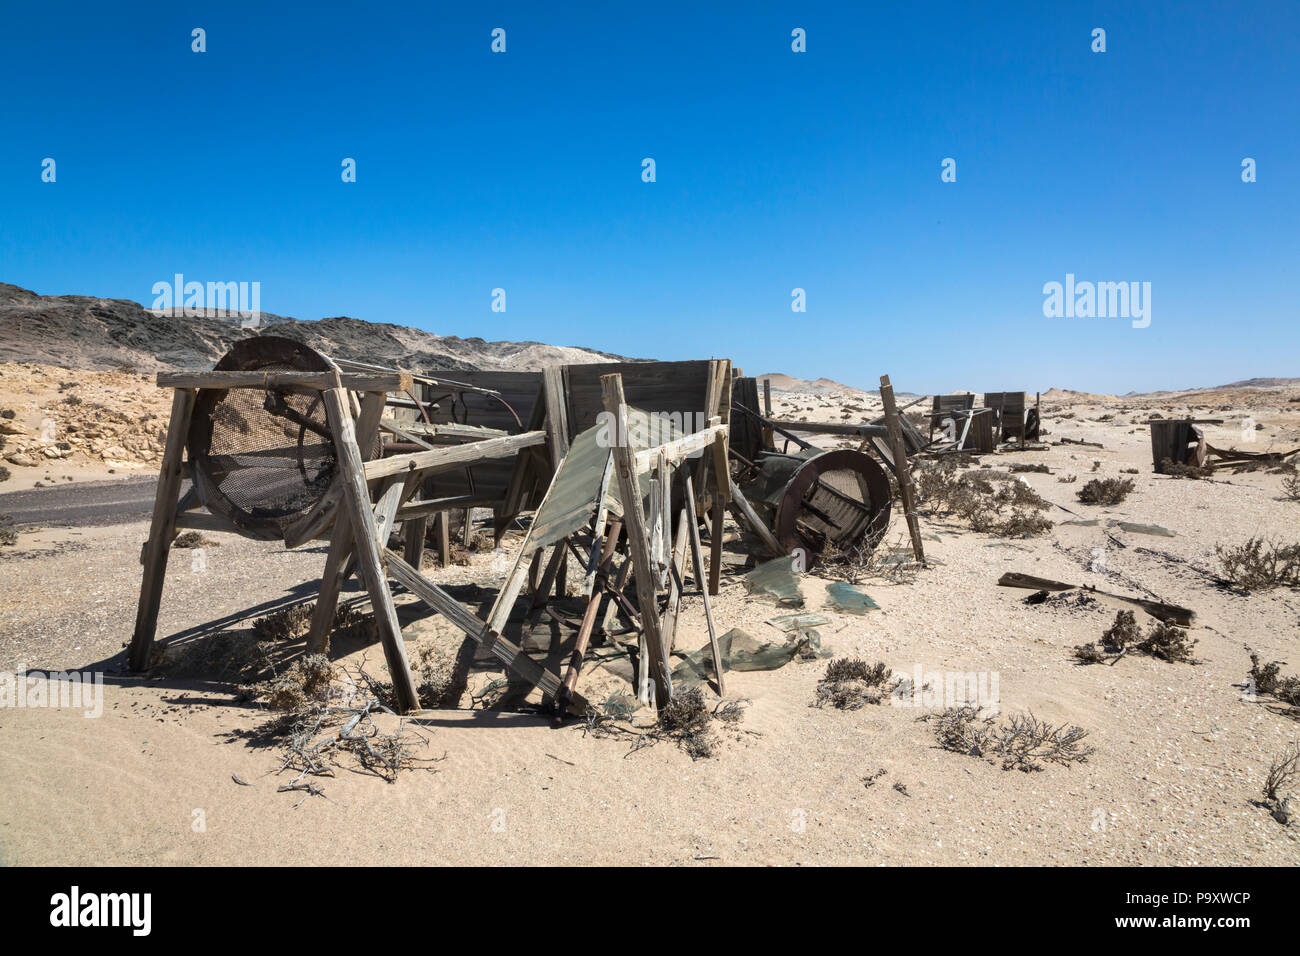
[(82, 503)]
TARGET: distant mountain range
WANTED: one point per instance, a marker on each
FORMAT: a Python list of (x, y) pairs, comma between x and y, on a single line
[(77, 331)]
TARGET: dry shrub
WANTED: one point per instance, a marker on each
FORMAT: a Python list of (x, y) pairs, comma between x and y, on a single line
[(1290, 487), (1268, 679), (1258, 564), (894, 563), (192, 539), (1177, 469), (8, 535), (1281, 778), (1105, 491), (1163, 641), (991, 504), (1034, 469), (1067, 479), (287, 624), (851, 683), (305, 683), (686, 720), (1023, 742)]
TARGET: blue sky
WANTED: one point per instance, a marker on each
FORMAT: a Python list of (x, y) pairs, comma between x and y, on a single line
[(775, 170)]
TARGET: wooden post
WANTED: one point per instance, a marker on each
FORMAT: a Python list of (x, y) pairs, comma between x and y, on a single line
[(414, 532), (337, 563), (368, 548), (161, 530), (902, 469), (697, 560), (638, 543), (444, 539)]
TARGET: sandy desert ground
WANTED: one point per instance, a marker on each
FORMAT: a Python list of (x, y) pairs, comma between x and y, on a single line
[(1179, 753)]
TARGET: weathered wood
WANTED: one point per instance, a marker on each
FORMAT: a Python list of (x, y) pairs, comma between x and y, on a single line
[(557, 413), (1169, 613), (413, 534), (368, 548), (453, 456), (902, 469), (444, 539), (331, 584), (722, 489), (756, 524), (679, 449), (829, 428), (697, 560), (505, 651), (638, 544), (677, 559), (161, 530), (340, 560), (396, 381), (423, 509)]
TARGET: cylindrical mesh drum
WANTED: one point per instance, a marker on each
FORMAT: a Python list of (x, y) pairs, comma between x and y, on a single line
[(261, 457)]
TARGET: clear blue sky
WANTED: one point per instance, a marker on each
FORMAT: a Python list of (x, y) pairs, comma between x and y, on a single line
[(775, 170)]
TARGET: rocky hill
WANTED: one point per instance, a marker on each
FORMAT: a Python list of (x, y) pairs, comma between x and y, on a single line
[(85, 332)]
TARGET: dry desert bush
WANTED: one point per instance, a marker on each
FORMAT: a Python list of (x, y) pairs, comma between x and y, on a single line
[(989, 503), (1163, 641), (1259, 565), (1023, 742), (1105, 491), (851, 683)]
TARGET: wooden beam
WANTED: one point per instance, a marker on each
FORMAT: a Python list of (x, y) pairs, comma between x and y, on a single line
[(697, 560), (902, 469), (368, 548), (453, 456), (161, 530), (754, 521), (638, 543), (318, 381)]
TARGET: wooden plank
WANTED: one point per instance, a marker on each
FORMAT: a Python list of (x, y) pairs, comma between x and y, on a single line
[(453, 456), (413, 534), (752, 519), (557, 415), (444, 539), (902, 469), (638, 543), (1169, 613), (505, 651), (368, 548), (423, 509), (396, 381), (697, 560), (161, 530), (331, 583)]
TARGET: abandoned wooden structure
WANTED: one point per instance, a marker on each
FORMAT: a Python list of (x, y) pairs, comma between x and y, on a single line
[(281, 442)]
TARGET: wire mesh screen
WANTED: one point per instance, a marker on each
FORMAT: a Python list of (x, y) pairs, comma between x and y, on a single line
[(270, 454), (263, 457)]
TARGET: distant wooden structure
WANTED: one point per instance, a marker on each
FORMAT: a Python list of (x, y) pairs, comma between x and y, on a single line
[(1008, 414), (1178, 440)]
